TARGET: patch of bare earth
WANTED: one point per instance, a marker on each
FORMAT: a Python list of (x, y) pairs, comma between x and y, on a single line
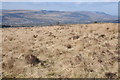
[(66, 51)]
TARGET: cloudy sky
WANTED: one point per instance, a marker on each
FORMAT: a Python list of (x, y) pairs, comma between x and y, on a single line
[(60, 0), (107, 7)]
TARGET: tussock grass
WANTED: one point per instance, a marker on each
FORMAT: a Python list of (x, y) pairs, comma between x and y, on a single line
[(69, 51)]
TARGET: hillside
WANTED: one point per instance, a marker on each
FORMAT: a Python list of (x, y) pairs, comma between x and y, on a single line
[(44, 17), (68, 51)]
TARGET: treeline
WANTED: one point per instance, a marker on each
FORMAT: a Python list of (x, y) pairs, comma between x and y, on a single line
[(32, 25), (56, 23), (5, 26), (8, 26)]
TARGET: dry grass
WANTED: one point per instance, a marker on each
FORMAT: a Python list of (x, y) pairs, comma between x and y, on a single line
[(69, 51)]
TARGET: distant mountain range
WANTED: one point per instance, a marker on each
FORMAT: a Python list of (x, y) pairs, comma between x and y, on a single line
[(44, 17)]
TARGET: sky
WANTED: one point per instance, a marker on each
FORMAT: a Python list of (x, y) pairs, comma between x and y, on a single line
[(60, 0), (107, 7)]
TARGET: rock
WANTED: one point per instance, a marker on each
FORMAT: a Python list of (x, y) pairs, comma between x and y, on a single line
[(68, 46), (102, 35), (31, 59), (110, 75), (75, 37), (35, 36)]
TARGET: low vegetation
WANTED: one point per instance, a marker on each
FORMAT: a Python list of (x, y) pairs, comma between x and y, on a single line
[(63, 51)]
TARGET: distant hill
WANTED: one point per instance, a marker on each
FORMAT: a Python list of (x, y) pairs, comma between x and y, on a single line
[(44, 17)]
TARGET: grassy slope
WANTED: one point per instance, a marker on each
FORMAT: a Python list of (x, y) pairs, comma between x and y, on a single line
[(72, 51)]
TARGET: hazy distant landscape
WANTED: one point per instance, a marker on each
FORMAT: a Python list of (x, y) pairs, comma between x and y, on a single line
[(45, 18), (59, 40)]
